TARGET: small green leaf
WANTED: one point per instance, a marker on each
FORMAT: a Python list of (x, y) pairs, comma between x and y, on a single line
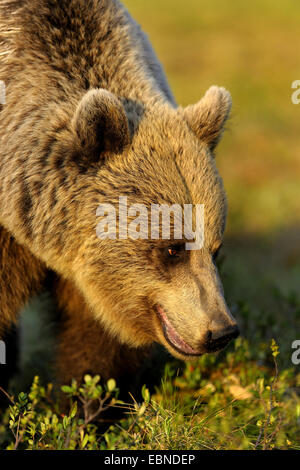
[(142, 409), (66, 389), (111, 385), (145, 394), (73, 410), (66, 421), (85, 441)]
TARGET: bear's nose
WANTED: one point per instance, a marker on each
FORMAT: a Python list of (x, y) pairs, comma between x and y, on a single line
[(219, 339)]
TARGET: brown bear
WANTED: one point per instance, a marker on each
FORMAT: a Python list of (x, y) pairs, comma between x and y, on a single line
[(89, 117)]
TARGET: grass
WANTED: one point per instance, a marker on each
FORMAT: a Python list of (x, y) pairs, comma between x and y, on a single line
[(230, 401), (246, 397)]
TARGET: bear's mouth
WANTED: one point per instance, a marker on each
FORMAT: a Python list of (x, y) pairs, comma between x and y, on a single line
[(171, 335)]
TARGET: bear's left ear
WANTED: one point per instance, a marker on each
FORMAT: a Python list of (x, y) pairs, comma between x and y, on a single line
[(207, 117), (100, 123)]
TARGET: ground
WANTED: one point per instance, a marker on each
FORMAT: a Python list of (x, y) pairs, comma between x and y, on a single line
[(224, 401)]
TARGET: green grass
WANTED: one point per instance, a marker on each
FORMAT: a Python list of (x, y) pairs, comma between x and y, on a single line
[(233, 400), (230, 401)]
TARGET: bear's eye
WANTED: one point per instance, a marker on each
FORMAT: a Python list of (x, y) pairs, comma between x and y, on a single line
[(174, 253)]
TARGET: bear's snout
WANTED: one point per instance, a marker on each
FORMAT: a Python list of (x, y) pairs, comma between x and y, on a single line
[(214, 341), (214, 337)]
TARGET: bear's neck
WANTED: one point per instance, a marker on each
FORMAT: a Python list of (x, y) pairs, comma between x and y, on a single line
[(74, 45)]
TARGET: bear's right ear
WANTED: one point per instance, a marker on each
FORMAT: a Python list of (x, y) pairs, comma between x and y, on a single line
[(207, 117), (100, 123)]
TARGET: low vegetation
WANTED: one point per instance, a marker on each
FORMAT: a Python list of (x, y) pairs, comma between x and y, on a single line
[(227, 402)]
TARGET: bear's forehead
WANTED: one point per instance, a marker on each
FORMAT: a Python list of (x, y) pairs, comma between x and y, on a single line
[(150, 181), (167, 164)]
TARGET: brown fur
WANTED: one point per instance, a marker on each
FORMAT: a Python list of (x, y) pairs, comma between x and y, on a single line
[(86, 344), (89, 116), (21, 276)]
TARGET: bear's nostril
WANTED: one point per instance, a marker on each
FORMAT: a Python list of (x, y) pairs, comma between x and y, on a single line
[(208, 337), (220, 339)]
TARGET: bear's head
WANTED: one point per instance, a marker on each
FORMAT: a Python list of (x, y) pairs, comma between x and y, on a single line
[(144, 286)]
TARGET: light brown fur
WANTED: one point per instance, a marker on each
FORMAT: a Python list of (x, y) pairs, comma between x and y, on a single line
[(89, 117)]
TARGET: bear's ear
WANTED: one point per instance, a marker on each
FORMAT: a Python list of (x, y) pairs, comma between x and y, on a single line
[(100, 123), (207, 117)]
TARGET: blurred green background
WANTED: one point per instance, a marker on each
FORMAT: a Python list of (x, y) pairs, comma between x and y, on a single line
[(252, 49)]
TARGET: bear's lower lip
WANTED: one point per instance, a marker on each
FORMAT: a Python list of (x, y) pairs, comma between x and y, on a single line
[(172, 336)]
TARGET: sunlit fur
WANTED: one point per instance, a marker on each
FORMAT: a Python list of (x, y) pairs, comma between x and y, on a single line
[(90, 117)]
